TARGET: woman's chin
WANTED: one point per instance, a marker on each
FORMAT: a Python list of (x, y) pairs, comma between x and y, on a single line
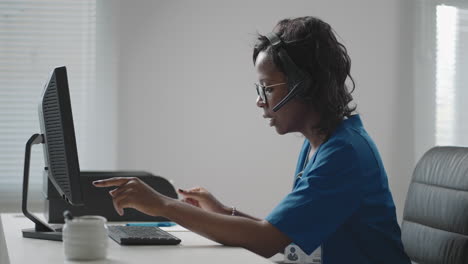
[(280, 131)]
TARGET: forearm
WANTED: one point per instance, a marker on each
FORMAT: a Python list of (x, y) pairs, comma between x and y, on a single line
[(229, 211), (253, 234)]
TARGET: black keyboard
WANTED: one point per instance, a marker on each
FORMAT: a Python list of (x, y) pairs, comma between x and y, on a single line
[(141, 235)]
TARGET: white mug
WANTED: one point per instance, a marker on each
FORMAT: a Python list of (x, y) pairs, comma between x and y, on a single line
[(85, 238)]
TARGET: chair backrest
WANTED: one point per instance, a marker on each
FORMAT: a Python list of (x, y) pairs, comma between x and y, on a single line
[(435, 219)]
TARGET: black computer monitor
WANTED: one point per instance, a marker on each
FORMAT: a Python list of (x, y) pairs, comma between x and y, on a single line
[(60, 152)]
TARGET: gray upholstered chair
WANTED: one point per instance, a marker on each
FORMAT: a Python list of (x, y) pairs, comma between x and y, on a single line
[(435, 219)]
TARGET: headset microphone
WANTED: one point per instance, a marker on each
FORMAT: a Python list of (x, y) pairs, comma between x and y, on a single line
[(297, 79), (291, 94)]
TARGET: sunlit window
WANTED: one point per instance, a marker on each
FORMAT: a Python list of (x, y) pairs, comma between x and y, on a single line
[(446, 42), (35, 37)]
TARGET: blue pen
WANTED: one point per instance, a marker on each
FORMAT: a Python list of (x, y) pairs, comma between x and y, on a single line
[(157, 224)]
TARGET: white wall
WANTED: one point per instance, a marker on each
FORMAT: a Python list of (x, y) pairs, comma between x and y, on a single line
[(186, 101)]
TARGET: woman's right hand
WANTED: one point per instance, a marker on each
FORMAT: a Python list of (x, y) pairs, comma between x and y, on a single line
[(201, 198)]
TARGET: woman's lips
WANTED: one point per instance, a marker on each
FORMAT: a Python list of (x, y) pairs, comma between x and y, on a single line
[(272, 120)]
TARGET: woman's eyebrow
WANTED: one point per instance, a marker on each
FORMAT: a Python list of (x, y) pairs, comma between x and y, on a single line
[(268, 80)]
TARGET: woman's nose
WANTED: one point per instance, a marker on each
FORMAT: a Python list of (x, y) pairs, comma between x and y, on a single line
[(260, 102)]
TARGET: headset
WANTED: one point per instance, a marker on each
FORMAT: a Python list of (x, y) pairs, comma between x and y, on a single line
[(297, 79)]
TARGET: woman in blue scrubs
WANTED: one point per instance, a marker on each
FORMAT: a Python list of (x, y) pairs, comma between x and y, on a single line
[(340, 202)]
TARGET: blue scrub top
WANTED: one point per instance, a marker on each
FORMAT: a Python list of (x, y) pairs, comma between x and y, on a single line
[(342, 202)]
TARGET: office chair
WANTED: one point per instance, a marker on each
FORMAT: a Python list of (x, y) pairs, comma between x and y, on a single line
[(435, 219)]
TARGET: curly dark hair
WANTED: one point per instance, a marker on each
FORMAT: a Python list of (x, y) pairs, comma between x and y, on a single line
[(312, 45)]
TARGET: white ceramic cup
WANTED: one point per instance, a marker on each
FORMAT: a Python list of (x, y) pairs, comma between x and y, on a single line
[(85, 238)]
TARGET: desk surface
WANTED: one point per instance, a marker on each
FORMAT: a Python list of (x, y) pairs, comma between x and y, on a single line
[(193, 249)]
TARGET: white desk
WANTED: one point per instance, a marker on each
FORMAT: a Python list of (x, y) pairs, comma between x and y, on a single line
[(193, 249)]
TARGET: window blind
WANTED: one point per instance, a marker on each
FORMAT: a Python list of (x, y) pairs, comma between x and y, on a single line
[(451, 77), (35, 37), (440, 74)]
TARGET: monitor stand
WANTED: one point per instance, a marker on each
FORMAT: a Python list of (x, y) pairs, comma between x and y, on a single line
[(42, 230)]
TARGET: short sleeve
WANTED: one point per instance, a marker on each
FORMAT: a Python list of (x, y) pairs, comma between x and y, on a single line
[(323, 199)]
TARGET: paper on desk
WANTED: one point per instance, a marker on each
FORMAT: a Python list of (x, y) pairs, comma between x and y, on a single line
[(176, 228)]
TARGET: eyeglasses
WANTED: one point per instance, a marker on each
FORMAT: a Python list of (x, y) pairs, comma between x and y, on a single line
[(262, 90)]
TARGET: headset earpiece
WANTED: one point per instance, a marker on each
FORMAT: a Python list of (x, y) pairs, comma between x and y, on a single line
[(297, 79)]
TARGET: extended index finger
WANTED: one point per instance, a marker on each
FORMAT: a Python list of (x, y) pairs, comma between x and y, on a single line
[(116, 181)]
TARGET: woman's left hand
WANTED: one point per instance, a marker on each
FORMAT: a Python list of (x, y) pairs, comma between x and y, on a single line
[(132, 192)]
